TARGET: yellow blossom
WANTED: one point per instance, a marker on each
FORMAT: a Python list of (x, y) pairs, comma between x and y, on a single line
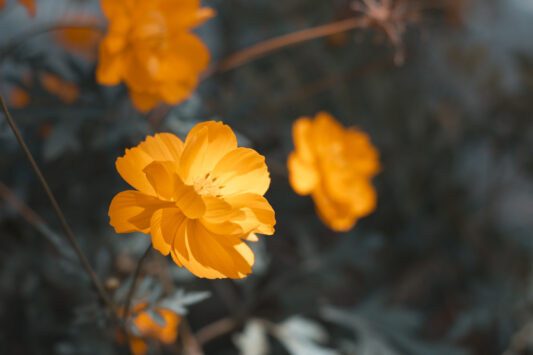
[(199, 199)]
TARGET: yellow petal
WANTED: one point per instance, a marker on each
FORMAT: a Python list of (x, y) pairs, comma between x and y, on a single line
[(160, 174), (301, 135), (144, 101), (131, 211), (221, 217), (205, 145), (201, 253), (188, 200), (164, 227), (161, 147), (303, 176), (262, 212), (335, 215), (242, 170), (110, 66)]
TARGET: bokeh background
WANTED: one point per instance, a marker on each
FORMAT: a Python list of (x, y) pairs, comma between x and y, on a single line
[(443, 266)]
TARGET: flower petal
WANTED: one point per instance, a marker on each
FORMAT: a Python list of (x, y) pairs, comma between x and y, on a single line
[(161, 147), (336, 216), (221, 217), (205, 145), (262, 213), (131, 211), (242, 170), (303, 176), (188, 200), (301, 135), (201, 253), (164, 227)]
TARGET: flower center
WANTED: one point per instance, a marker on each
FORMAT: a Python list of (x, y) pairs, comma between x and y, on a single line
[(206, 186)]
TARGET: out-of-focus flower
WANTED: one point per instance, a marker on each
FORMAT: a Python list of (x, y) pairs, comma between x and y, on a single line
[(150, 329), (2, 4), (66, 91), (199, 200), (334, 165), (18, 98), (83, 41), (149, 46)]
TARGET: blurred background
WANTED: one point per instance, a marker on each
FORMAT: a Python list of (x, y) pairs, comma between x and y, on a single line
[(443, 265)]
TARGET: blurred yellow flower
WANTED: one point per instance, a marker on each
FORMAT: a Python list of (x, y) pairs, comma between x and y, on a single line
[(199, 200), (149, 329), (334, 165), (149, 46)]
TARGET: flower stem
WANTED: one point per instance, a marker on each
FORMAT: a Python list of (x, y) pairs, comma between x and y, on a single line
[(134, 282), (70, 236)]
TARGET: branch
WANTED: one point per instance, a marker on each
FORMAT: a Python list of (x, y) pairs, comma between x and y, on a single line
[(134, 282), (263, 48), (70, 236)]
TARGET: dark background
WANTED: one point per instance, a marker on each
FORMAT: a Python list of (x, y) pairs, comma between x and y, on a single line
[(443, 266)]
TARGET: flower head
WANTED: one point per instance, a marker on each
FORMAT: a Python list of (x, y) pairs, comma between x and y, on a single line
[(199, 199), (334, 165), (149, 46), (150, 329)]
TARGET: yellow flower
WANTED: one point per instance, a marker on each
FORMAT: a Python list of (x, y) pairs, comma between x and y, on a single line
[(149, 329), (199, 199), (334, 165), (149, 46)]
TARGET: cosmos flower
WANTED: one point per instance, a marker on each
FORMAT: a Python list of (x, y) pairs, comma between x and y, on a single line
[(334, 165), (165, 332), (199, 199), (149, 46)]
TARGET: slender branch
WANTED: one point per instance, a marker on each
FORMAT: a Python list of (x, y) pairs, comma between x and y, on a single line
[(37, 222), (12, 44), (263, 48), (133, 286), (70, 236), (216, 329)]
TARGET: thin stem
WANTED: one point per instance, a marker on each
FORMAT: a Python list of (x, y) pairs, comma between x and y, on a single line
[(134, 282), (32, 218), (15, 42), (70, 236), (262, 48)]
